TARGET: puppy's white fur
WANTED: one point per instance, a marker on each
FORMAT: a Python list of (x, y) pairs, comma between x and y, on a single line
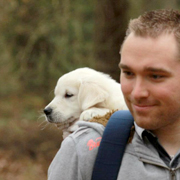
[(82, 94)]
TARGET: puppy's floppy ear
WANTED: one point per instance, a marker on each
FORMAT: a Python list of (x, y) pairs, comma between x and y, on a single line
[(91, 94)]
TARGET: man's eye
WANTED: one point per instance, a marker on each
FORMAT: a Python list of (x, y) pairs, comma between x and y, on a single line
[(127, 73), (68, 95), (155, 76)]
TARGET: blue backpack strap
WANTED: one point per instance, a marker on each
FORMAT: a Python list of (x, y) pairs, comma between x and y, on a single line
[(112, 146)]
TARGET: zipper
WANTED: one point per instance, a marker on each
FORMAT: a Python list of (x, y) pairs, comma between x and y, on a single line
[(173, 174), (171, 170)]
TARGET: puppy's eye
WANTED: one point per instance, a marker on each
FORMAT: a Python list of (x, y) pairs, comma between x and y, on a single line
[(68, 95)]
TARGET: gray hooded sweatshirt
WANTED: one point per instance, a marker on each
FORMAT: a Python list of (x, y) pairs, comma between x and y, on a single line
[(141, 161)]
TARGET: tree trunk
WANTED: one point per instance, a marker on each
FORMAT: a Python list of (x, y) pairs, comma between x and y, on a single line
[(110, 26)]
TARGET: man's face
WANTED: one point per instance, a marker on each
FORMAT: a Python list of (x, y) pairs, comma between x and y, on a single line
[(150, 80)]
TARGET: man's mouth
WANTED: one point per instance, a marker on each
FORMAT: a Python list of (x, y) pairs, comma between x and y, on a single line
[(142, 107)]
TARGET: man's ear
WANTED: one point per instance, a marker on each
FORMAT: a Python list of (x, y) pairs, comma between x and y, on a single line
[(91, 94)]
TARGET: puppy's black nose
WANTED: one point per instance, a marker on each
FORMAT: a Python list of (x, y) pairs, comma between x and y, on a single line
[(48, 111)]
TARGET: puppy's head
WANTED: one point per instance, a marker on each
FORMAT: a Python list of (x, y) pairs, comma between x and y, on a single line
[(64, 108), (74, 93)]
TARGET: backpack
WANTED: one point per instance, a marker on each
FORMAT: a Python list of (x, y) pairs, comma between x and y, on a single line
[(112, 146)]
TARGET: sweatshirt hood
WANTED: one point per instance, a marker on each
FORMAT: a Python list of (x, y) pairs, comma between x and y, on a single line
[(96, 126)]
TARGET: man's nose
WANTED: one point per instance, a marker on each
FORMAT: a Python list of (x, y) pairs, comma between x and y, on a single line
[(140, 89)]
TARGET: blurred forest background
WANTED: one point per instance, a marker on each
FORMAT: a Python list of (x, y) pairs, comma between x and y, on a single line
[(39, 41)]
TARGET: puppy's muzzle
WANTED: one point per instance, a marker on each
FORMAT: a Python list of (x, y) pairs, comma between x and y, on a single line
[(48, 112)]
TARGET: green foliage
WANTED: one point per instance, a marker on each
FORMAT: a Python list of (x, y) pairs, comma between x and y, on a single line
[(41, 40)]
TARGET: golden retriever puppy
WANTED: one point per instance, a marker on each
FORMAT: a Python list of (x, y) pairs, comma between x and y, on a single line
[(80, 95)]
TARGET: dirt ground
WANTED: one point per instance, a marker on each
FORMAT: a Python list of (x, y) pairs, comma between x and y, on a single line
[(26, 151)]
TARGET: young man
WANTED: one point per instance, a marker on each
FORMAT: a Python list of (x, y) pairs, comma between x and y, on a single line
[(150, 81)]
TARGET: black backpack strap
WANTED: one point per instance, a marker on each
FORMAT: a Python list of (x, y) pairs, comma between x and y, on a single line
[(112, 146)]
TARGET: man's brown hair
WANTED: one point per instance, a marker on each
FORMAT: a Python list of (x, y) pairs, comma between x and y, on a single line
[(154, 23)]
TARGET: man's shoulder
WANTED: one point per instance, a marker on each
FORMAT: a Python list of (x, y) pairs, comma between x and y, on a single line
[(88, 129), (87, 136)]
